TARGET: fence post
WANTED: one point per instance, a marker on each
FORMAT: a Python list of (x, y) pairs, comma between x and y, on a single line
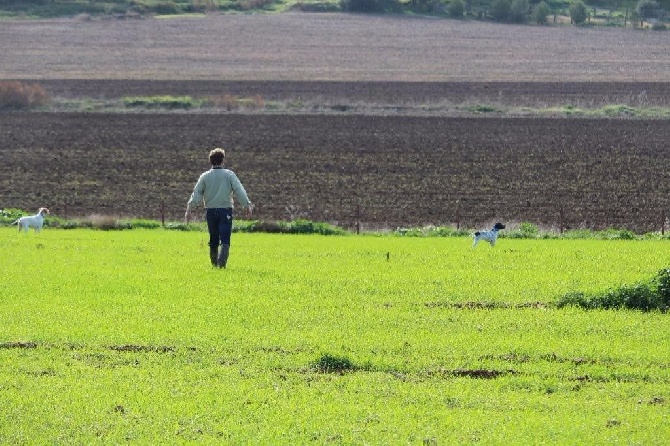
[(163, 213), (663, 221), (458, 214), (561, 220), (358, 218)]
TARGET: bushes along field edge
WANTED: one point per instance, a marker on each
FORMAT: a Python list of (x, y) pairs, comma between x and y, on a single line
[(524, 230), (17, 95), (606, 13), (109, 222)]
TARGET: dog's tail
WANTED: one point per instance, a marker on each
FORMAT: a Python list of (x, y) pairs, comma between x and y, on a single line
[(16, 222)]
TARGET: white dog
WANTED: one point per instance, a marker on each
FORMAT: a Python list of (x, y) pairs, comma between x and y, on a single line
[(34, 221), (489, 236)]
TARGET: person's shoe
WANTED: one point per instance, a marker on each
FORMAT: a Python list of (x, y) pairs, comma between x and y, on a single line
[(223, 256)]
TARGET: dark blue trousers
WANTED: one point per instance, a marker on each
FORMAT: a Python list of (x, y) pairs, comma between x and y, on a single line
[(220, 226)]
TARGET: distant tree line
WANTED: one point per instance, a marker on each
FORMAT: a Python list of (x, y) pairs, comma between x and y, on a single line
[(51, 8), (510, 11), (517, 11)]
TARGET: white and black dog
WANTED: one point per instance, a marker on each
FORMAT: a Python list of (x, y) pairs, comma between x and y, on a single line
[(489, 236), (33, 221)]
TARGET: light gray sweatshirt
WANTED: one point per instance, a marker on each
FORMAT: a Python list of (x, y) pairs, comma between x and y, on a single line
[(216, 187)]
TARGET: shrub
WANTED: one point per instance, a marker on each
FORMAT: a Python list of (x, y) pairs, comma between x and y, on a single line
[(231, 102), (573, 299), (431, 231), (639, 296), (202, 6), (165, 8), (618, 110), (615, 234), (370, 5), (270, 227), (333, 364), (256, 101), (525, 230), (519, 11), (645, 296), (648, 9), (578, 12), (662, 283), (299, 226), (248, 5), (107, 223), (540, 13), (20, 95), (456, 8), (185, 226), (172, 102), (484, 108), (317, 7), (228, 101), (501, 10), (145, 224), (10, 215)]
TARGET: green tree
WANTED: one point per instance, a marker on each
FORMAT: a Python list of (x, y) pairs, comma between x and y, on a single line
[(468, 6), (456, 8), (578, 13), (648, 9), (540, 13), (369, 5), (501, 10), (519, 11), (422, 6)]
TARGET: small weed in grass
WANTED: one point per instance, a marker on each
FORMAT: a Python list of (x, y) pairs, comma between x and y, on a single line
[(334, 364)]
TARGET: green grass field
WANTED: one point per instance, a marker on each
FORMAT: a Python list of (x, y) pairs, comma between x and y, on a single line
[(130, 336)]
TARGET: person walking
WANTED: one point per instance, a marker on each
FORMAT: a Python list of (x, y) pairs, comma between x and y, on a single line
[(215, 189)]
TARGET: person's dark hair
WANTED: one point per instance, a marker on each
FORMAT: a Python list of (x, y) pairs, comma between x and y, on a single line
[(216, 157)]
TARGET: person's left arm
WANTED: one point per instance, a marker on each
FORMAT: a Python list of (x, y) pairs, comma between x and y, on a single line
[(241, 194)]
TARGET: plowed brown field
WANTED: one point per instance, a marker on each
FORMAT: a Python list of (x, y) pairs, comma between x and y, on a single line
[(385, 171), (390, 171)]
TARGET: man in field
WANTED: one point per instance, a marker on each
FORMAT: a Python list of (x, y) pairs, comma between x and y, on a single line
[(215, 188)]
